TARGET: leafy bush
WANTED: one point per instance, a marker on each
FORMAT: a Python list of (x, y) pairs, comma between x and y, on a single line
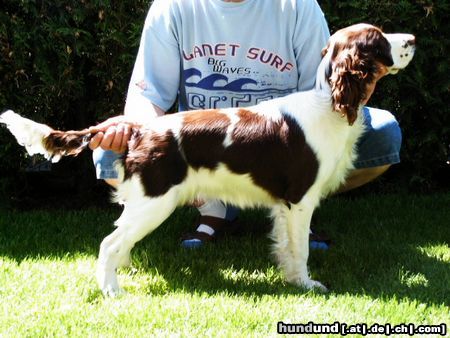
[(68, 64)]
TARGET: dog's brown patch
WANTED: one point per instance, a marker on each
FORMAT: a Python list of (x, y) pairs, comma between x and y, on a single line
[(274, 153), (202, 136), (157, 159)]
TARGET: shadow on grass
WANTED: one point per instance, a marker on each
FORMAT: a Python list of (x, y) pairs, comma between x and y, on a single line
[(384, 246)]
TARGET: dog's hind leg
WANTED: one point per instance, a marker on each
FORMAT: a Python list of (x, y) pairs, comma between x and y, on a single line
[(298, 226), (140, 217)]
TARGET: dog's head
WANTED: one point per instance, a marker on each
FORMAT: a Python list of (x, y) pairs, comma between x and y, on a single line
[(358, 57)]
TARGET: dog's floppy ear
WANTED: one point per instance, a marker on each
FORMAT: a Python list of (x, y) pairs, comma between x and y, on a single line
[(348, 81)]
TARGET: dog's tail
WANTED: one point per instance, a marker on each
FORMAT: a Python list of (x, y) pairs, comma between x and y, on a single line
[(38, 138)]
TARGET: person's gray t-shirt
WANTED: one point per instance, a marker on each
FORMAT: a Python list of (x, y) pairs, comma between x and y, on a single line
[(216, 54)]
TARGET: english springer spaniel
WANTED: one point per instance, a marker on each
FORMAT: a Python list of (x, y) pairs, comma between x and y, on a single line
[(286, 154)]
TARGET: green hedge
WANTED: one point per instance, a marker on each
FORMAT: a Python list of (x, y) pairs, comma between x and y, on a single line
[(65, 63), (68, 63)]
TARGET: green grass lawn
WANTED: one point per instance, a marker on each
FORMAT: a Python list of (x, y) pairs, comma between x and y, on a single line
[(390, 263)]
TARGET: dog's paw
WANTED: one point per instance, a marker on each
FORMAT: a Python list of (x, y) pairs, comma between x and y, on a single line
[(113, 292), (308, 284), (107, 282), (314, 285)]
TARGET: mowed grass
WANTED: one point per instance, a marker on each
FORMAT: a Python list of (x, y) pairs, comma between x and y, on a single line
[(390, 263)]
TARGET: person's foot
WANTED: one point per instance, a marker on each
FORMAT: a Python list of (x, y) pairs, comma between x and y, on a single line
[(319, 240), (195, 239), (208, 228)]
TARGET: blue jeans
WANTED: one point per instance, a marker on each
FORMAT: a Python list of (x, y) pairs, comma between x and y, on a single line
[(381, 142), (379, 145)]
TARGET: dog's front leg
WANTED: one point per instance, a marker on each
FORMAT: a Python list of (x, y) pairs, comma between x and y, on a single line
[(298, 228)]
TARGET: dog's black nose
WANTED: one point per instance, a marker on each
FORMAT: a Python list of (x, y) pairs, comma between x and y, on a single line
[(411, 42)]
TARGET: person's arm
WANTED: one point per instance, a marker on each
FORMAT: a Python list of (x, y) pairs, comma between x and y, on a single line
[(154, 82), (310, 37)]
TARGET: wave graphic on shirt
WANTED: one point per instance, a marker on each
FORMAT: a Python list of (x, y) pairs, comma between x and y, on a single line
[(216, 82)]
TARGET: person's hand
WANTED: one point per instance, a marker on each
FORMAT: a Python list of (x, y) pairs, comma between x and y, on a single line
[(112, 134)]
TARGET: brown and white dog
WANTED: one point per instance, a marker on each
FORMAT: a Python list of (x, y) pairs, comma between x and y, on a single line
[(286, 154)]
